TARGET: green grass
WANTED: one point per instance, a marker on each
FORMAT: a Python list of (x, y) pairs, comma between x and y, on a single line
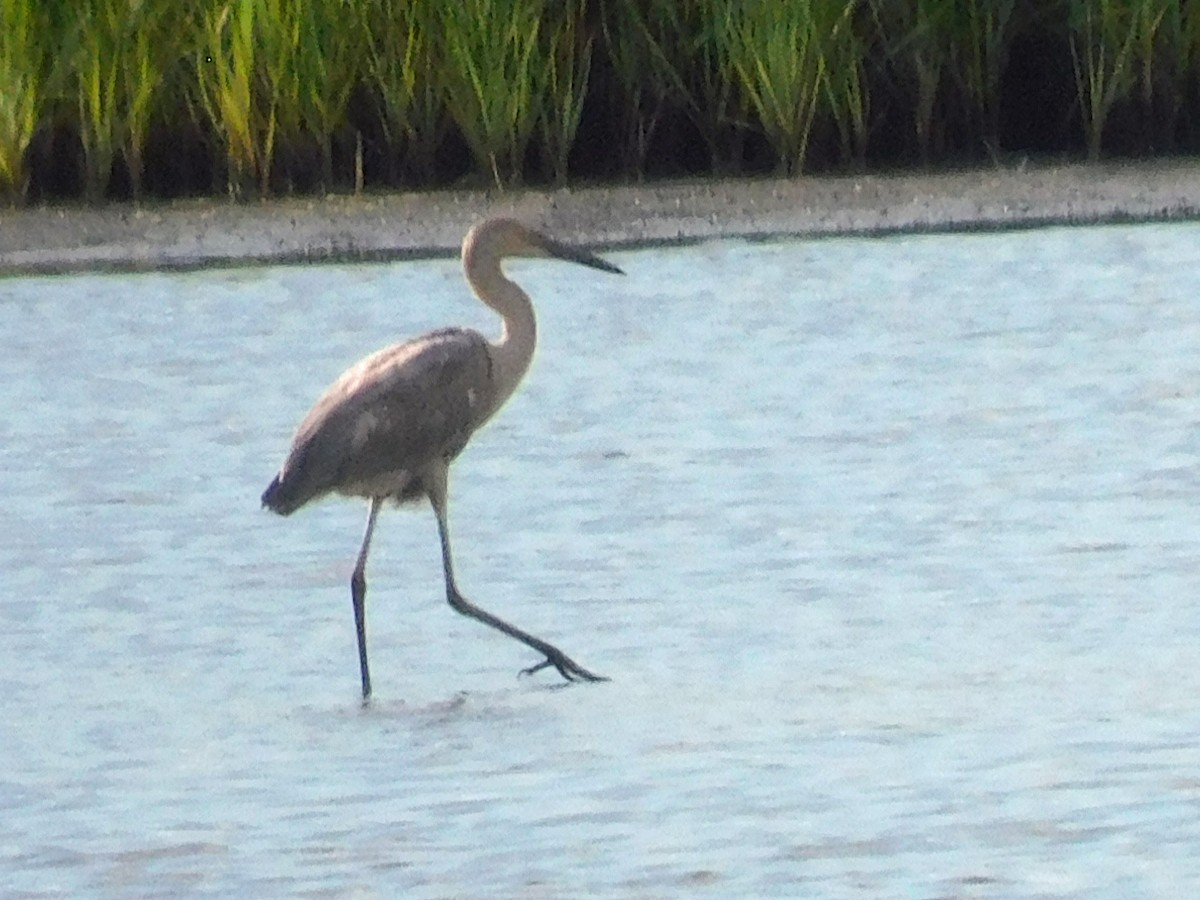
[(847, 93), (493, 57), (979, 61), (96, 64), (565, 69), (325, 71), (1175, 76), (26, 64), (775, 55), (227, 69), (1104, 44), (648, 44), (949, 57), (119, 54), (400, 71), (279, 95)]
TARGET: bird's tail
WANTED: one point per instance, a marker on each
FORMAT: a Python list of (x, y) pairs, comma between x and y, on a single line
[(279, 499)]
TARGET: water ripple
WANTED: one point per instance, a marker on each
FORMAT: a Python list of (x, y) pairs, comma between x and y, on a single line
[(887, 545)]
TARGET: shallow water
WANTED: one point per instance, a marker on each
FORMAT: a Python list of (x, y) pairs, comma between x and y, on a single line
[(889, 547)]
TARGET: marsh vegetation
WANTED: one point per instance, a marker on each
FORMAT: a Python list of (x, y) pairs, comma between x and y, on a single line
[(112, 99)]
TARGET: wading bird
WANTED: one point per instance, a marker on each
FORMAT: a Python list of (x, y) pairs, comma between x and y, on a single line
[(389, 427)]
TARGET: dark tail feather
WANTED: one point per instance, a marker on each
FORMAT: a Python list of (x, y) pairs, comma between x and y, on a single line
[(278, 499)]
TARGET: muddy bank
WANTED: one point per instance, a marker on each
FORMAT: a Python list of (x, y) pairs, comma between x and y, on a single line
[(207, 233)]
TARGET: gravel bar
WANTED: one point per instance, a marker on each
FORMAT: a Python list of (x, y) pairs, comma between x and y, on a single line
[(206, 233)]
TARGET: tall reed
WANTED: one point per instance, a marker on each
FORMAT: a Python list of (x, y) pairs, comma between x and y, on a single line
[(227, 88), (567, 67), (96, 64), (947, 57), (1104, 38), (649, 45), (400, 66), (326, 67), (149, 62), (703, 84), (776, 55), (273, 82), (1156, 54), (919, 37), (846, 85), (1148, 22), (280, 30), (1178, 81), (492, 60), (25, 67), (980, 51), (247, 83), (120, 54)]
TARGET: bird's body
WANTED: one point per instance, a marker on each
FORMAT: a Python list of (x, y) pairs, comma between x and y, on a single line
[(373, 430), (388, 427)]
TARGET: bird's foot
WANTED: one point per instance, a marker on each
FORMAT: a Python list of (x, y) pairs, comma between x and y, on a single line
[(567, 667)]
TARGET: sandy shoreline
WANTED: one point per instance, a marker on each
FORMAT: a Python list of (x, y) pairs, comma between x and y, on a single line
[(206, 233)]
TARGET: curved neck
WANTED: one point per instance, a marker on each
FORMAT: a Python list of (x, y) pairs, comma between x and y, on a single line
[(513, 352)]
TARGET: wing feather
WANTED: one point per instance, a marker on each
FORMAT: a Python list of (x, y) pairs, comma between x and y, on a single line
[(386, 418)]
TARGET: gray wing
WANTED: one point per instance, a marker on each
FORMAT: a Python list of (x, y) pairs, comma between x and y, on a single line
[(377, 427)]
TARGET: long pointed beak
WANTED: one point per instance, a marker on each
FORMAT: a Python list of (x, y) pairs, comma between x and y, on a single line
[(576, 255)]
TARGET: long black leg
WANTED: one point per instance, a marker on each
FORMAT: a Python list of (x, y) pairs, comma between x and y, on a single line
[(358, 594), (567, 667)]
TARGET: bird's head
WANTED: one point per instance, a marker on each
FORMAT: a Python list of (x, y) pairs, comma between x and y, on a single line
[(500, 238)]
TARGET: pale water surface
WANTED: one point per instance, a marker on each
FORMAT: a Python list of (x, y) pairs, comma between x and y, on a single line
[(891, 548)]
